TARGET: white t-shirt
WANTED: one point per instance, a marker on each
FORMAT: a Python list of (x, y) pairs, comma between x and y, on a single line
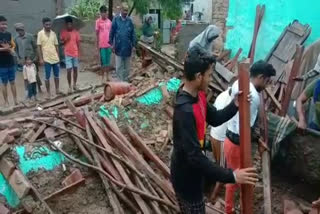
[(30, 73), (233, 124), (224, 99)]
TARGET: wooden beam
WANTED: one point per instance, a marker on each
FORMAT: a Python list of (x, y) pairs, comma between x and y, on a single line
[(266, 172), (245, 137), (138, 142), (291, 82)]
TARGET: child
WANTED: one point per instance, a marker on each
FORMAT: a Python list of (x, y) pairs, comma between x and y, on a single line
[(29, 75)]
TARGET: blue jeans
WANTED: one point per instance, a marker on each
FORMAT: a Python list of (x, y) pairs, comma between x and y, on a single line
[(314, 126), (54, 67), (7, 75), (32, 90), (72, 62)]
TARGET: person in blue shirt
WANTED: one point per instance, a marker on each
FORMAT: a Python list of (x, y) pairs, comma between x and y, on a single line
[(123, 41)]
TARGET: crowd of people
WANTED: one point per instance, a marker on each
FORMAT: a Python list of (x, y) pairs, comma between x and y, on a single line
[(26, 54)]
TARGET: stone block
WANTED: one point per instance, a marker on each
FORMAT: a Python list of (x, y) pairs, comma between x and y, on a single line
[(19, 183), (6, 167)]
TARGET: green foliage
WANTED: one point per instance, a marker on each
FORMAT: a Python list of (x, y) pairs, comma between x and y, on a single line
[(171, 9), (86, 9)]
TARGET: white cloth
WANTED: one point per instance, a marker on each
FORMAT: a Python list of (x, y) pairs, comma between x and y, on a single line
[(224, 99), (317, 66), (233, 124), (30, 73), (206, 38)]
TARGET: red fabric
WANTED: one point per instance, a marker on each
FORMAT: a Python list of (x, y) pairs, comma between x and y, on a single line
[(232, 155), (103, 28), (71, 47), (200, 114)]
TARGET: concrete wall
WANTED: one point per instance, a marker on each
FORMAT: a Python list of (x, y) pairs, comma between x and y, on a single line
[(205, 7), (29, 12)]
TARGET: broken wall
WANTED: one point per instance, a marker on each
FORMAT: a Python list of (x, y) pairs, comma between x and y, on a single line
[(279, 13)]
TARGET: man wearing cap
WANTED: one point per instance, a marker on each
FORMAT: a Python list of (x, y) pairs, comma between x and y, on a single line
[(26, 46), (123, 40)]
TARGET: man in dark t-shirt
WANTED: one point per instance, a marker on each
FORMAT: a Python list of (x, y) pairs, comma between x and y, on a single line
[(7, 68)]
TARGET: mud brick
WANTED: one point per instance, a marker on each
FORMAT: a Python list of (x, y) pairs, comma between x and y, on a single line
[(29, 134), (16, 132), (3, 149), (66, 112), (19, 183), (3, 209), (10, 139), (8, 124), (73, 178), (4, 135), (6, 167), (22, 119)]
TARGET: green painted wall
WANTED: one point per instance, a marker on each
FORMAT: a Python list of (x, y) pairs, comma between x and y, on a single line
[(279, 13)]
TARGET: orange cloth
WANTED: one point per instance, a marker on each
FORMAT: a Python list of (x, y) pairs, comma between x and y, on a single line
[(71, 45), (232, 155)]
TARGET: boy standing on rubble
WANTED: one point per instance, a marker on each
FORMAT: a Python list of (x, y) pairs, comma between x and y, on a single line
[(189, 166), (260, 74)]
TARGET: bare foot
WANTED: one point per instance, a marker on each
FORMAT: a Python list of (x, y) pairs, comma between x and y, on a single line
[(6, 104), (75, 88), (69, 91)]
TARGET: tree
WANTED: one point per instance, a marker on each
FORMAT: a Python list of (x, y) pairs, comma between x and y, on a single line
[(171, 9)]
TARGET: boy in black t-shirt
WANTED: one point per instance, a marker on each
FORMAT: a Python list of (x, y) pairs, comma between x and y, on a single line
[(7, 68)]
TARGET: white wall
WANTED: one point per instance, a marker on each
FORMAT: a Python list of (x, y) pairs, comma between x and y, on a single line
[(204, 6)]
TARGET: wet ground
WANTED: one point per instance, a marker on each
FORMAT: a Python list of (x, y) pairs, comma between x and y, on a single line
[(84, 79)]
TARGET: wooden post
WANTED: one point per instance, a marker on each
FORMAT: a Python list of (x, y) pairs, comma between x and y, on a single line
[(245, 137), (265, 158), (291, 82), (110, 9)]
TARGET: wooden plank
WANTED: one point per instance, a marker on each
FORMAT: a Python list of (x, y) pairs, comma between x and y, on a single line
[(291, 82), (245, 137), (38, 133), (273, 98), (224, 72), (138, 142), (124, 146), (122, 172), (266, 172)]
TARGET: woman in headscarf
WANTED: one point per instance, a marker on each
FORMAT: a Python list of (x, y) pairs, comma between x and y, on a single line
[(206, 38), (148, 31)]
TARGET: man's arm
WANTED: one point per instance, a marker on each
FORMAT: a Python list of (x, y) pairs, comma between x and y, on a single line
[(302, 99), (112, 32), (216, 118), (184, 123), (34, 47), (56, 44), (133, 35), (40, 55)]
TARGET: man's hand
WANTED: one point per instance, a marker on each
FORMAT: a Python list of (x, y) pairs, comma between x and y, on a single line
[(316, 204), (298, 79), (6, 47), (302, 125), (41, 62), (262, 147), (236, 98), (246, 176)]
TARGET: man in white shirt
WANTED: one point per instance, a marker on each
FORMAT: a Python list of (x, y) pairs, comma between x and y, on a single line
[(260, 75), (218, 135)]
